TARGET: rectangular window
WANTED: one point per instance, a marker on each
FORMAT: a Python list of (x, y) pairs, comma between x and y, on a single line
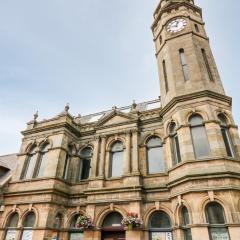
[(219, 233), (228, 142), (66, 166), (165, 75), (184, 64), (11, 235), (187, 234), (31, 165), (208, 68), (42, 164), (196, 28)]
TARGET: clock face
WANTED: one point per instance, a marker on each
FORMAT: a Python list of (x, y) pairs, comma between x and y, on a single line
[(176, 25)]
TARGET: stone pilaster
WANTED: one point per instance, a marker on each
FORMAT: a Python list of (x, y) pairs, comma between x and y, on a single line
[(135, 162)]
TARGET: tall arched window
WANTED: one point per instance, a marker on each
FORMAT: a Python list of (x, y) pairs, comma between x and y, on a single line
[(160, 226), (28, 224), (11, 226), (199, 136), (155, 155), (58, 225), (75, 233), (67, 164), (116, 161), (226, 135), (112, 227), (216, 219), (184, 64), (185, 224), (175, 144), (85, 163), (30, 164), (42, 161)]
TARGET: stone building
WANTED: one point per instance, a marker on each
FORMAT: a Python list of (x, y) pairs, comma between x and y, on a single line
[(174, 161)]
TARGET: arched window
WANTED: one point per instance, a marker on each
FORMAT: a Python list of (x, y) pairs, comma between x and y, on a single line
[(116, 161), (160, 226), (85, 164), (185, 224), (28, 224), (112, 227), (11, 226), (30, 164), (216, 219), (226, 135), (184, 64), (67, 164), (75, 233), (42, 161), (175, 144), (199, 136), (155, 155), (58, 224)]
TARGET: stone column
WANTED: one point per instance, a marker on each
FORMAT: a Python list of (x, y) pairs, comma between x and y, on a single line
[(102, 157), (200, 232), (95, 158), (135, 162), (234, 232), (127, 159)]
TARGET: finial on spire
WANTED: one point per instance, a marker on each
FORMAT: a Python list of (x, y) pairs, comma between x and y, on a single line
[(134, 106), (35, 116), (66, 108)]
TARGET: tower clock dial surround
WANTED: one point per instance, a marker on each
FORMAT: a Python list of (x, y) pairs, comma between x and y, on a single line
[(176, 25)]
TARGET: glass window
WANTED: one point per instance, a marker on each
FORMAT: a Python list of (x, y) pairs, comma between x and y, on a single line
[(208, 68), (116, 161), (199, 137), (185, 222), (165, 75), (184, 64), (75, 234), (113, 220), (85, 163), (42, 161), (155, 156), (30, 164), (226, 136), (215, 217), (160, 226), (12, 223), (67, 164), (28, 224), (175, 144), (58, 221), (196, 28)]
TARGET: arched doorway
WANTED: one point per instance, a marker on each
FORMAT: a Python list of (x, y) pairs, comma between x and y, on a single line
[(160, 226), (112, 228)]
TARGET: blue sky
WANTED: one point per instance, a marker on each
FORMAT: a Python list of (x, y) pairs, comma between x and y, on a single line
[(86, 52)]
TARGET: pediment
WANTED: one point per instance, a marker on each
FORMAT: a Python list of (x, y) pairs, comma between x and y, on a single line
[(115, 118)]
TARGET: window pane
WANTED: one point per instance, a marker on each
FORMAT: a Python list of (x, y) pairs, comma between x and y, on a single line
[(86, 152), (160, 220), (161, 236), (154, 142), (76, 236), (66, 166), (118, 146), (215, 213), (176, 150), (185, 72), (208, 68), (165, 76), (74, 221), (29, 220), (42, 164), (200, 142), (113, 220), (13, 220), (227, 141), (155, 160), (27, 235), (116, 167), (31, 165), (185, 216), (219, 234), (196, 120), (11, 235), (85, 168), (187, 234)]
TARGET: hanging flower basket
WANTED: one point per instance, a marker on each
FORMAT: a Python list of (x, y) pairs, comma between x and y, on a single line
[(84, 222), (131, 221)]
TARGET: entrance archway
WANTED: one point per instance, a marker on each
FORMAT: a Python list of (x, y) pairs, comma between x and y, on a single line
[(112, 228)]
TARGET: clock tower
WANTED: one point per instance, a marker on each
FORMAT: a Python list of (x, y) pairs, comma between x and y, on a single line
[(185, 61)]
